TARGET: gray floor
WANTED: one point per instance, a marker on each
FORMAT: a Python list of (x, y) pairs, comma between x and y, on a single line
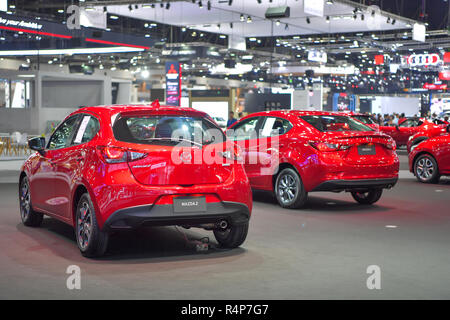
[(319, 252)]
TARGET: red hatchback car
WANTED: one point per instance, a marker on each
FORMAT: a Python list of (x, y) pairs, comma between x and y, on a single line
[(122, 167), (292, 153), (430, 159), (410, 127)]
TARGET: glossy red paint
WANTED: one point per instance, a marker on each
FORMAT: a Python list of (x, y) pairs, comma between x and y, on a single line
[(438, 148), (410, 127), (56, 176), (314, 166)]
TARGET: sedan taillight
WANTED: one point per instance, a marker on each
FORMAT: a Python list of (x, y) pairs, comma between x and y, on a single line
[(328, 147), (119, 155)]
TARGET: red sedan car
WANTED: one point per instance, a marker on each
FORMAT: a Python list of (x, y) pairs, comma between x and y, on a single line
[(430, 159), (410, 127), (122, 167), (292, 153)]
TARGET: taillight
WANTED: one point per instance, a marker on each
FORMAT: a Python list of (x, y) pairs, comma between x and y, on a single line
[(328, 147), (119, 155), (391, 145)]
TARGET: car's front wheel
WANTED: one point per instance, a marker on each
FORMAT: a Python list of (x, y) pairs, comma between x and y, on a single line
[(368, 197), (29, 217), (289, 189), (233, 236), (426, 169), (92, 241)]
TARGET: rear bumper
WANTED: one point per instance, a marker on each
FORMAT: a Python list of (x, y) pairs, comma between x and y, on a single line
[(163, 215), (351, 185)]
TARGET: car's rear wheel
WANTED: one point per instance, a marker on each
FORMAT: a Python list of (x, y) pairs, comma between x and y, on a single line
[(426, 169), (92, 241), (29, 217), (368, 197), (289, 189), (233, 236)]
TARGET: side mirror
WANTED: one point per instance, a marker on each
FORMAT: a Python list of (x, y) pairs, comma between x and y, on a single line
[(37, 144)]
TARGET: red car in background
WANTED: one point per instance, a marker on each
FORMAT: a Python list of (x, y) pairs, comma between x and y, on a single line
[(291, 153), (411, 126), (430, 159), (366, 119), (118, 168), (420, 136)]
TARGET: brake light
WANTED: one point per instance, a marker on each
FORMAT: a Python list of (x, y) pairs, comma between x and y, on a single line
[(119, 155), (391, 145), (327, 147)]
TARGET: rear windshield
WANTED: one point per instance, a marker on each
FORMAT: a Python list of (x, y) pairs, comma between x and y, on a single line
[(364, 119), (167, 130), (331, 123)]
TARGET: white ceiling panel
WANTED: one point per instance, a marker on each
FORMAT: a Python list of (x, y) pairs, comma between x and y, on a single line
[(191, 15)]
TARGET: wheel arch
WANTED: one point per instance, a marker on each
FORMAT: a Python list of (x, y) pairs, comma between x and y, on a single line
[(281, 167), (79, 191)]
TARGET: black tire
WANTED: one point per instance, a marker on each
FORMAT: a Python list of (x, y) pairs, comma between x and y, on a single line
[(426, 169), (29, 217), (232, 237), (91, 241), (289, 189), (369, 197)]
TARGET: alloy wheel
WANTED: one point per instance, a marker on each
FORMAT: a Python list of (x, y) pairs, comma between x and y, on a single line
[(84, 225), (287, 188), (425, 168), (24, 199)]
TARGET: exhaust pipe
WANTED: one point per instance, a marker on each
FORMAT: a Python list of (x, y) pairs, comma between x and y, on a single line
[(223, 224)]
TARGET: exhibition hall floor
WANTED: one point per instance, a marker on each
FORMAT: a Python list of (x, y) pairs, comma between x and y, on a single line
[(319, 252)]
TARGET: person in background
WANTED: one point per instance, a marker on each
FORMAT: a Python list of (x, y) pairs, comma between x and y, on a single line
[(402, 118), (395, 119), (231, 119), (240, 115)]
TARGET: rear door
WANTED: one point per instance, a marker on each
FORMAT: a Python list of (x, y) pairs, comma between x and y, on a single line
[(68, 162), (271, 140), (245, 135), (60, 140)]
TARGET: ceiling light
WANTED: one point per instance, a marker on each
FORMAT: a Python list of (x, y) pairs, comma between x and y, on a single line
[(249, 19), (53, 52), (308, 21), (200, 4), (209, 5), (328, 19), (230, 2), (242, 18), (168, 5)]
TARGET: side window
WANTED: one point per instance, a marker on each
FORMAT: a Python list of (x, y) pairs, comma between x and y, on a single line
[(88, 129), (245, 130), (62, 137), (275, 127)]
